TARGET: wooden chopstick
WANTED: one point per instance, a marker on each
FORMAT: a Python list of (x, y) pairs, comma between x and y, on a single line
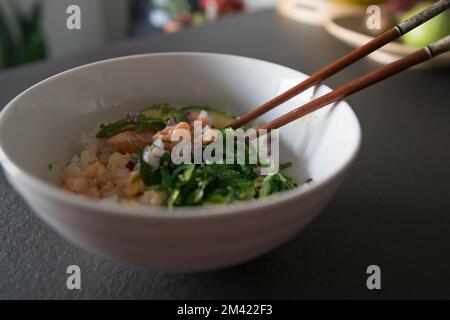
[(346, 60), (371, 78)]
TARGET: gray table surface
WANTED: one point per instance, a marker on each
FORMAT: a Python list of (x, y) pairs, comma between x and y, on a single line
[(392, 211)]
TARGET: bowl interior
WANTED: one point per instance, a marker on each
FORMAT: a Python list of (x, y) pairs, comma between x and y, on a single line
[(42, 126)]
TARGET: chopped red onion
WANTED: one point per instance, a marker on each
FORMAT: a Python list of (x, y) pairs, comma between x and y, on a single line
[(131, 165), (133, 116), (173, 121)]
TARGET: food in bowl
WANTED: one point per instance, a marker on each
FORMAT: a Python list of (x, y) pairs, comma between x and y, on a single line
[(186, 239), (131, 161)]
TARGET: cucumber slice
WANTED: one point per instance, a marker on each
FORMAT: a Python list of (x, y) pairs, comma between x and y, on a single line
[(221, 119), (165, 111)]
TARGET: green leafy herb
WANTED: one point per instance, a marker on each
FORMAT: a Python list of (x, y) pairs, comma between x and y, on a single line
[(150, 176), (154, 124), (112, 128), (142, 122), (285, 165), (166, 113), (197, 184)]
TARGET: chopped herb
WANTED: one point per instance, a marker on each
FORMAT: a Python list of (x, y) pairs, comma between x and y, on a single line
[(129, 123), (285, 165), (195, 184), (166, 113), (150, 176)]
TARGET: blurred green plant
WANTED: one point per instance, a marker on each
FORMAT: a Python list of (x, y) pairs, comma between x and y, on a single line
[(29, 43)]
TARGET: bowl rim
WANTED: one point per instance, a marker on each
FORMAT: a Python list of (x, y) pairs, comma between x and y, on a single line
[(111, 208)]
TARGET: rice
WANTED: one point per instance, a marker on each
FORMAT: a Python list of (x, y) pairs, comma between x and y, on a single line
[(100, 172)]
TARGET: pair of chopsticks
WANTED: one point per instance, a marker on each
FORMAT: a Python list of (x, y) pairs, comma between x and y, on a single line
[(349, 88)]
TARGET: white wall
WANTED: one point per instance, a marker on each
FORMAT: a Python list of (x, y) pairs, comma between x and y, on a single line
[(62, 41), (102, 21)]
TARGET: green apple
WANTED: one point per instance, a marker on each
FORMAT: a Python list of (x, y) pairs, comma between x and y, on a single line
[(428, 32)]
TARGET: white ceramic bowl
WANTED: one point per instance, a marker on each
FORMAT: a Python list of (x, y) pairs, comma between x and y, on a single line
[(43, 124)]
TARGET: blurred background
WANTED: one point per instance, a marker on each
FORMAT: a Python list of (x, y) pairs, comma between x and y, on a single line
[(33, 30)]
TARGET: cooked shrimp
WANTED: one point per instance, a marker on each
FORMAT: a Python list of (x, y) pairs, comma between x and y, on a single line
[(122, 140), (178, 130)]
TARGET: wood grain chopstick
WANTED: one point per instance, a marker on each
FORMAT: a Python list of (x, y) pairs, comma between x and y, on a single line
[(345, 61), (371, 78)]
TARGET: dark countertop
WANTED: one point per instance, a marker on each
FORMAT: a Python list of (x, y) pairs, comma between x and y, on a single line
[(392, 211)]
